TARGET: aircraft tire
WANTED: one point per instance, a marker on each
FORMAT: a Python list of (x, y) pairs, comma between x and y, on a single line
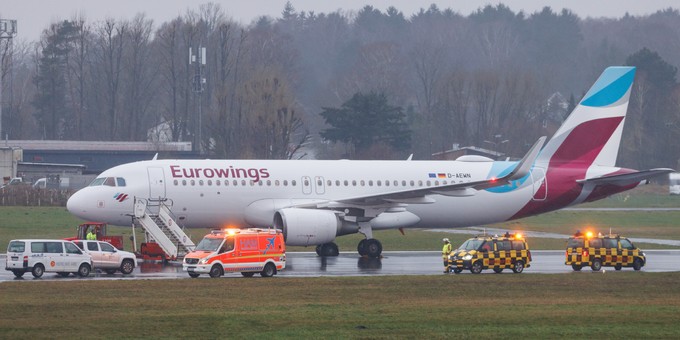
[(373, 248), (327, 249), (361, 247)]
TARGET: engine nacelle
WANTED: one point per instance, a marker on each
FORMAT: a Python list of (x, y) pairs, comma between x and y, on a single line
[(306, 227)]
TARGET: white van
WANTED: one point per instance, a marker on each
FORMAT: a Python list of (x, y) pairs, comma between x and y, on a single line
[(106, 257), (40, 256)]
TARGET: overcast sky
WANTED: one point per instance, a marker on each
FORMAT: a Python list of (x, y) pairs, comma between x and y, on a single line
[(35, 15)]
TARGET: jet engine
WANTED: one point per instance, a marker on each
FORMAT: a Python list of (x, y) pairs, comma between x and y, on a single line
[(305, 227)]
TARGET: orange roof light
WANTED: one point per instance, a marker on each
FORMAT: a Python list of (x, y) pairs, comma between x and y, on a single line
[(518, 236), (589, 234)]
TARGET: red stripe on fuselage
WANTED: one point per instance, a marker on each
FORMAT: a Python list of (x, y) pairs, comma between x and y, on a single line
[(569, 163)]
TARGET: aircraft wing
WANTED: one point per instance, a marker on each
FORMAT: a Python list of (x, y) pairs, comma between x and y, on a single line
[(419, 195), (627, 179)]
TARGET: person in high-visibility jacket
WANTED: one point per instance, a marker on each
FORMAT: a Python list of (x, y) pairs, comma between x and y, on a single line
[(91, 235), (446, 250)]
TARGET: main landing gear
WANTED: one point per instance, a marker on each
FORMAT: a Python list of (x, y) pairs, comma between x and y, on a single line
[(370, 247), (327, 249)]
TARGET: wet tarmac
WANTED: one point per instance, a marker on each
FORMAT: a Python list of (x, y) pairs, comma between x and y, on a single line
[(351, 264)]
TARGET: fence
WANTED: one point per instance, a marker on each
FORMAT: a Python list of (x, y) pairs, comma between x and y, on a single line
[(25, 195)]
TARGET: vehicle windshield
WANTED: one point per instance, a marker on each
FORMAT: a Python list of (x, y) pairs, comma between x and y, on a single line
[(209, 244), (472, 244)]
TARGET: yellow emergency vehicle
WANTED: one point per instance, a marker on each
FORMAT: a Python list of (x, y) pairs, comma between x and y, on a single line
[(496, 252), (596, 251)]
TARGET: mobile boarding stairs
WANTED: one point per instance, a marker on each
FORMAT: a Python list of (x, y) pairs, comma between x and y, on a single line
[(160, 227)]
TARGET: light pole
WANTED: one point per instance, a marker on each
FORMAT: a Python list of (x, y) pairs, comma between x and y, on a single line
[(8, 30), (198, 86)]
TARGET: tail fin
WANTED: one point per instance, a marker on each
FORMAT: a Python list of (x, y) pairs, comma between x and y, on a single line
[(592, 132)]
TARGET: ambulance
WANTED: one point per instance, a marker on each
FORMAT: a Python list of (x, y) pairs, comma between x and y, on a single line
[(247, 251)]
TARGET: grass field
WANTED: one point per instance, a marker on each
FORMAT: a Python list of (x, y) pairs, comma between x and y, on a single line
[(584, 305)]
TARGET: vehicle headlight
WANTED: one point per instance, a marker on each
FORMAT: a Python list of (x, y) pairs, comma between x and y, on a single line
[(467, 257), (203, 260)]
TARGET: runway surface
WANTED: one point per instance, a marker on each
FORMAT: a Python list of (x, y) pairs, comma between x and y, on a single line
[(351, 264)]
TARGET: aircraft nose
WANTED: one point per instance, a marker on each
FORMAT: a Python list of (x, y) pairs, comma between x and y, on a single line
[(77, 205)]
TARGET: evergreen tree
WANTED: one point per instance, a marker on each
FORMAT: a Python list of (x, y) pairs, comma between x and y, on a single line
[(365, 121)]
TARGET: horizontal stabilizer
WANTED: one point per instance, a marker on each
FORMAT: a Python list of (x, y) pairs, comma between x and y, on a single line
[(627, 179)]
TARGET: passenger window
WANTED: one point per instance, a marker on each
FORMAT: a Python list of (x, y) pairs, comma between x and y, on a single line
[(518, 245), (120, 181), (72, 249), (503, 245), (92, 246), (595, 243), (110, 181), (54, 247), (107, 247), (610, 243), (38, 247)]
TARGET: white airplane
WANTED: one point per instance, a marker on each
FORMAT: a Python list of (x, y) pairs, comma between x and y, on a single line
[(315, 201)]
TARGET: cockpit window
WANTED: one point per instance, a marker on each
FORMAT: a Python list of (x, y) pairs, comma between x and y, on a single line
[(109, 181), (97, 181)]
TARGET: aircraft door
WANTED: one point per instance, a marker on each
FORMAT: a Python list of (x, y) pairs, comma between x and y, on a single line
[(156, 182), (540, 184), (320, 188), (306, 185)]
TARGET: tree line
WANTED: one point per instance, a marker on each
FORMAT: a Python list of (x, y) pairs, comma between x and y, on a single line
[(283, 87)]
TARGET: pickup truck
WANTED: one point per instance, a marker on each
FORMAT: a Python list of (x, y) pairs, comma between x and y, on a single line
[(107, 258)]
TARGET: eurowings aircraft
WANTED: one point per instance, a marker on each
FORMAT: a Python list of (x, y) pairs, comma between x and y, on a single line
[(315, 201)]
